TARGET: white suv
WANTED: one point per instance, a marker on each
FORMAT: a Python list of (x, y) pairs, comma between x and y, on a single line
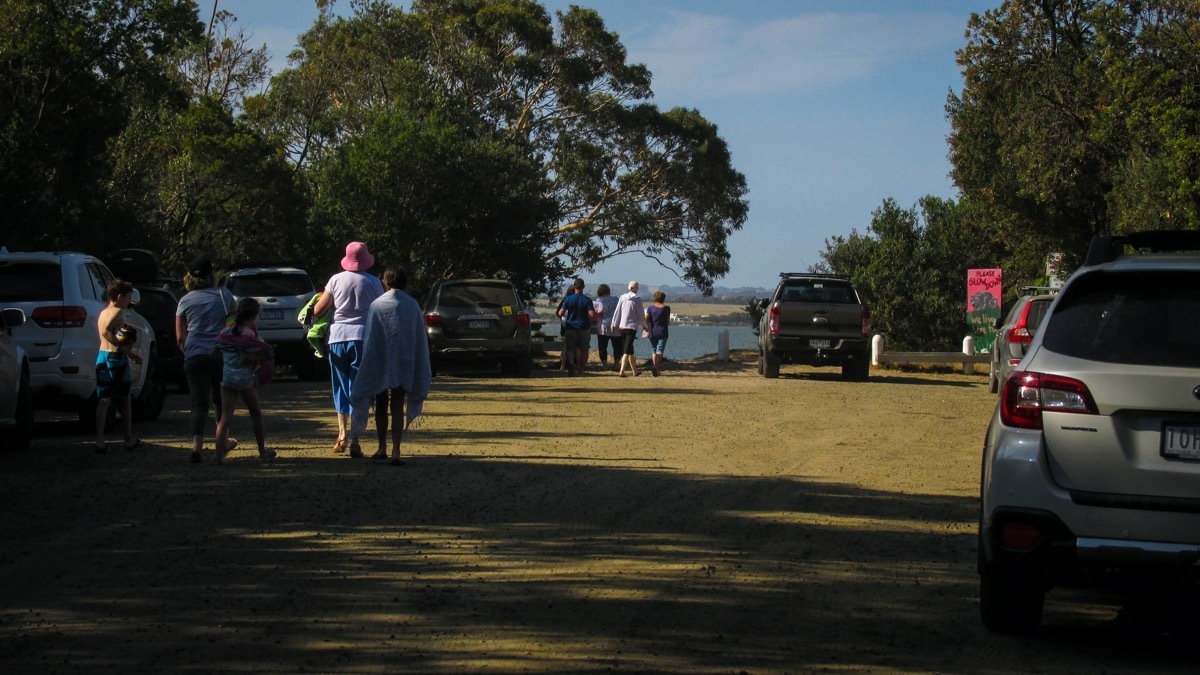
[(1091, 466), (62, 295), (282, 292)]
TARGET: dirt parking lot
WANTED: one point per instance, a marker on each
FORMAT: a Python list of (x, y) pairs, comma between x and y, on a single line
[(705, 521)]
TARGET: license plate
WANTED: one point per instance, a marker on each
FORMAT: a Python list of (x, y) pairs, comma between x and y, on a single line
[(479, 325), (272, 314), (819, 344), (1181, 441)]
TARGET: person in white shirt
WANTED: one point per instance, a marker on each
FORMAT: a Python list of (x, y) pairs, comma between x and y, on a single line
[(350, 293), (626, 319)]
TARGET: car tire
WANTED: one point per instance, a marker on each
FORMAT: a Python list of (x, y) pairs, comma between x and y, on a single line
[(760, 361), (856, 370), (149, 403), (1010, 602), (20, 435), (524, 366), (770, 366)]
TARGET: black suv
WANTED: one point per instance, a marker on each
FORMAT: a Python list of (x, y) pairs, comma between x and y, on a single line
[(478, 320)]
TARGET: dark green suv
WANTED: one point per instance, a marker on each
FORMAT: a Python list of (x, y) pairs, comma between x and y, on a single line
[(478, 321)]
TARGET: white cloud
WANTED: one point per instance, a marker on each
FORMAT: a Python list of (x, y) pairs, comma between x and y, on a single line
[(708, 55)]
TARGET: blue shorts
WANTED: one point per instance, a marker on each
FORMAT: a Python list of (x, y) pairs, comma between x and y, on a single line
[(657, 345), (113, 375)]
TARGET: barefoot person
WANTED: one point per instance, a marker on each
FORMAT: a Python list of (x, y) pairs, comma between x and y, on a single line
[(242, 352), (627, 318), (658, 318), (395, 361), (112, 362)]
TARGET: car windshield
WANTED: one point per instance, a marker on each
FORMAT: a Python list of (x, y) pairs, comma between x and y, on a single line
[(267, 285), (471, 296), (30, 281), (1136, 318)]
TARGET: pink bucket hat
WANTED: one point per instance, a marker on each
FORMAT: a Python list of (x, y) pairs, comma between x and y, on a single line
[(358, 258)]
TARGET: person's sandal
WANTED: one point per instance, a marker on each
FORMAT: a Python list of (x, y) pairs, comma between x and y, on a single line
[(196, 458), (355, 450), (396, 461), (339, 447), (382, 454)]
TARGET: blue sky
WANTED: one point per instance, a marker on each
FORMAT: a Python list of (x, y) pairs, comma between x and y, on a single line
[(829, 107)]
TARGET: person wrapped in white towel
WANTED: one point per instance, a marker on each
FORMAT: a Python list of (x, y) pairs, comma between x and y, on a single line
[(395, 365)]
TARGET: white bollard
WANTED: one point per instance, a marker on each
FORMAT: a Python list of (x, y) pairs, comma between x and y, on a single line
[(969, 350), (876, 349), (723, 345)]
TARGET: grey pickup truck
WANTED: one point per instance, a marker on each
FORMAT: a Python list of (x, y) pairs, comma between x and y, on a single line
[(816, 320)]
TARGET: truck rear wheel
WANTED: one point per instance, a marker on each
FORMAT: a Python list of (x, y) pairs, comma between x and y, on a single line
[(857, 370), (770, 365)]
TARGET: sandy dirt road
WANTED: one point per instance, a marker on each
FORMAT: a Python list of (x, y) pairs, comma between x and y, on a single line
[(705, 521)]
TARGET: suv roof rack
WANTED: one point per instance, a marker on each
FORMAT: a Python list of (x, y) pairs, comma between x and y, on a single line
[(787, 275), (1106, 248), (1048, 290)]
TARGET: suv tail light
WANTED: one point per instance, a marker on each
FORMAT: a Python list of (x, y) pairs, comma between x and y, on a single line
[(60, 317), (522, 319), (773, 321), (433, 320), (1019, 333), (1027, 395), (866, 322)]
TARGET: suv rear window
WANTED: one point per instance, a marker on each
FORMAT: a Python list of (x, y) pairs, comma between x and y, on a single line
[(818, 291), (470, 296), (30, 282), (264, 285), (1137, 318)]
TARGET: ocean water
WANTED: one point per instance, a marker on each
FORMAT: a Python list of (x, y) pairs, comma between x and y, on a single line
[(689, 342)]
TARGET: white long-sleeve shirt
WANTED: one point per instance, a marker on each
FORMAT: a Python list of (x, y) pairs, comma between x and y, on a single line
[(628, 314)]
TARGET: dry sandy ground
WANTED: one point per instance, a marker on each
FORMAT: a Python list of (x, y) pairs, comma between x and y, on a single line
[(705, 521)]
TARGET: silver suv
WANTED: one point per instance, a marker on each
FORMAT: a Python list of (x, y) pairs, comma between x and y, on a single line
[(1015, 333), (1091, 466), (282, 292), (62, 295)]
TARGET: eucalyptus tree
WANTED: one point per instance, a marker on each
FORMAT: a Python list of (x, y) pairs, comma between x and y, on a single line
[(201, 180), (1079, 117), (71, 71), (622, 175)]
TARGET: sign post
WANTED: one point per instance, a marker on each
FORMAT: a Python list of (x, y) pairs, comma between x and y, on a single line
[(983, 306)]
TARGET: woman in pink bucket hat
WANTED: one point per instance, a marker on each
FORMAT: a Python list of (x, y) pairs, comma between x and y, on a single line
[(350, 293)]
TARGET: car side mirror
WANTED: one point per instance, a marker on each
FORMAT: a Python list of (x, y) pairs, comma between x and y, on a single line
[(763, 303), (135, 297), (997, 322)]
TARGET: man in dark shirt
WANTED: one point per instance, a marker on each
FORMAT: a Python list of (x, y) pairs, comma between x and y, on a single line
[(577, 313)]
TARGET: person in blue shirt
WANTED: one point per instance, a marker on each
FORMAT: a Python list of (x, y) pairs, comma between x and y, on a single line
[(577, 313)]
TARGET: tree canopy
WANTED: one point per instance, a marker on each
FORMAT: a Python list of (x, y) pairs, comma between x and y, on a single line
[(458, 137), (1079, 117)]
